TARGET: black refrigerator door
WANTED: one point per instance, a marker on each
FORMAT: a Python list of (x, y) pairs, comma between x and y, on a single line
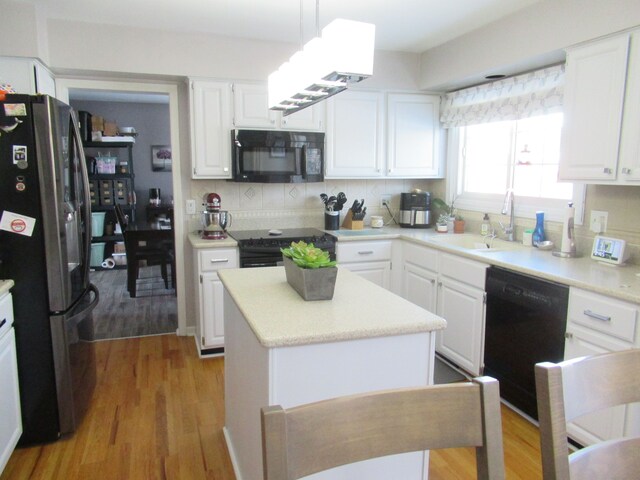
[(64, 202)]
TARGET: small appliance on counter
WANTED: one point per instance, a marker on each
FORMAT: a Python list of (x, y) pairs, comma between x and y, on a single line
[(214, 220), (415, 209)]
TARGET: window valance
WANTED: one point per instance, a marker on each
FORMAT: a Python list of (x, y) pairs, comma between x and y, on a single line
[(535, 93)]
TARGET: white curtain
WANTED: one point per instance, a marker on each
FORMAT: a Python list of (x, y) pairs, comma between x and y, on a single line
[(527, 95)]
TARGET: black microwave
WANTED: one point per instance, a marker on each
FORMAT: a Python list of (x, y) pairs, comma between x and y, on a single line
[(268, 156)]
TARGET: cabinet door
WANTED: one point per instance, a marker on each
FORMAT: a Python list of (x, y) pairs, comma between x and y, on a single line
[(376, 272), (412, 136), (212, 313), (355, 135), (629, 165), (605, 424), (593, 100), (210, 129), (462, 306), (251, 107), (419, 286), (310, 118), (11, 425)]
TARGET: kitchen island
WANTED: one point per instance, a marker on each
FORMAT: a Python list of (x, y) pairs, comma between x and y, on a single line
[(282, 350)]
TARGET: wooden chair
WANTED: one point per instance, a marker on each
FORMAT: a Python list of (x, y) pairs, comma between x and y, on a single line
[(153, 255), (570, 389), (311, 438)]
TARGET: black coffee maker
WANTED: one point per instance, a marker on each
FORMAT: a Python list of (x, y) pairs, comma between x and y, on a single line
[(415, 209)]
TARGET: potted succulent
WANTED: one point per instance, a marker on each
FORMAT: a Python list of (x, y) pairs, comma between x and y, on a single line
[(310, 270), (441, 223), (458, 224), (446, 209)]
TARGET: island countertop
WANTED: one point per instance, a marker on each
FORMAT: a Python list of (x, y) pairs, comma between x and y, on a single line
[(279, 317)]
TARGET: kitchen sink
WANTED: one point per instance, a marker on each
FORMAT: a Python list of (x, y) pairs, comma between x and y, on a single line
[(470, 241)]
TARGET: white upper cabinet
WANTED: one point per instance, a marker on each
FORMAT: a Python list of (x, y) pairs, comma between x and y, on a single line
[(374, 135), (251, 110), (413, 136), (210, 129), (355, 135), (27, 76), (602, 112)]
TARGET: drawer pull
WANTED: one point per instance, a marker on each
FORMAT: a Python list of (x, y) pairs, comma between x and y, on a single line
[(366, 252), (4, 320), (219, 260), (607, 170), (568, 335), (597, 316)]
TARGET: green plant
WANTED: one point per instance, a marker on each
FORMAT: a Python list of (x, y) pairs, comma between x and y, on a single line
[(306, 255), (444, 207), (443, 219)]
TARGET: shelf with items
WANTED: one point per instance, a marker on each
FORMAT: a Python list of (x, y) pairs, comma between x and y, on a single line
[(108, 189)]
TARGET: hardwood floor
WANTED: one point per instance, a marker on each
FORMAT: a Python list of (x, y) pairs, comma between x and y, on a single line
[(158, 412)]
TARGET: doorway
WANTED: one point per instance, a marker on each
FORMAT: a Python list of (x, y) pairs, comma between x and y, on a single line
[(69, 90)]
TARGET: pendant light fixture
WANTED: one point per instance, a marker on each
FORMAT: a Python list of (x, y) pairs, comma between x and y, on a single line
[(325, 66)]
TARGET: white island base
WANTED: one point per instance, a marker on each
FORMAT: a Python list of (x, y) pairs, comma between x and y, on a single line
[(276, 360)]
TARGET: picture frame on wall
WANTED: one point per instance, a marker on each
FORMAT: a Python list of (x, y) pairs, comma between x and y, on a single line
[(161, 158)]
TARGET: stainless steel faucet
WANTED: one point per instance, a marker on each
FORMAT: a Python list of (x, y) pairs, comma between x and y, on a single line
[(507, 209)]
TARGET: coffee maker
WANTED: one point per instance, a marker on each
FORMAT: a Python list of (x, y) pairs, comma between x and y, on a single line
[(415, 209), (214, 220)]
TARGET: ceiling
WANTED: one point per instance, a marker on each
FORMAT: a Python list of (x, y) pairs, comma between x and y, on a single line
[(401, 25)]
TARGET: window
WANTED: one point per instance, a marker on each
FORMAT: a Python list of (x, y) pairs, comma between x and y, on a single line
[(506, 135)]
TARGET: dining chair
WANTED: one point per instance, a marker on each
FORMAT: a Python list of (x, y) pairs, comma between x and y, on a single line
[(311, 438), (136, 253), (570, 389)]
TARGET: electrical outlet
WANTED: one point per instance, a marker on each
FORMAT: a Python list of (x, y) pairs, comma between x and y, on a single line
[(385, 199), (191, 207), (598, 222)]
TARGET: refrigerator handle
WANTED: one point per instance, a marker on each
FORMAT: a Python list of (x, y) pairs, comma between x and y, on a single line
[(94, 303), (86, 204)]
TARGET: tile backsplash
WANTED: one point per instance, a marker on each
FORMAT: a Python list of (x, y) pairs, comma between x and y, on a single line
[(290, 205)]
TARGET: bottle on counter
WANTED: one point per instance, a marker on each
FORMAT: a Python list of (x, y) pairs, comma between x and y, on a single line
[(538, 232), (485, 228)]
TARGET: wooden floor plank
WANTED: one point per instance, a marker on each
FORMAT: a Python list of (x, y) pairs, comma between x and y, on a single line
[(158, 413)]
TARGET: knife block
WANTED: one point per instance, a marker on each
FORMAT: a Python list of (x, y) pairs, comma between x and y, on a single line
[(352, 224)]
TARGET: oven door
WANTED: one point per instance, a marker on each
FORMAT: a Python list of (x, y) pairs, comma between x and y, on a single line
[(253, 261)]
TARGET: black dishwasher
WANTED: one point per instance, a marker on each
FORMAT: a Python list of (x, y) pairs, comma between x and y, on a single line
[(526, 319)]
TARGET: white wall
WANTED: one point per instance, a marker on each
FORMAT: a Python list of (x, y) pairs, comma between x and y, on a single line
[(23, 31), (527, 39)]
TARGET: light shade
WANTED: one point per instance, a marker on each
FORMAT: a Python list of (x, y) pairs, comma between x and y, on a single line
[(324, 67)]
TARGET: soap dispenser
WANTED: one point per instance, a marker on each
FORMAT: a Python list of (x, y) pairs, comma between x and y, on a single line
[(485, 228), (538, 232)]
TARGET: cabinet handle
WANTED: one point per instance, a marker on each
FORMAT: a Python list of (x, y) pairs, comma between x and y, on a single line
[(365, 252), (439, 284), (219, 260), (433, 282), (597, 316), (4, 320), (607, 170), (626, 171), (568, 335)]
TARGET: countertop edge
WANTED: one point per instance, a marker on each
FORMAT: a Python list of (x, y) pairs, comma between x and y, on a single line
[(5, 286)]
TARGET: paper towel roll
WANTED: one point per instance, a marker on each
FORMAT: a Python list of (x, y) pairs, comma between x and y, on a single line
[(108, 263)]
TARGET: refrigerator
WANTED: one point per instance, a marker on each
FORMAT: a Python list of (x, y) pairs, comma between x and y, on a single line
[(45, 236)]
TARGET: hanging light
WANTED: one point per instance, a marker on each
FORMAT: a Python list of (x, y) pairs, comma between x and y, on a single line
[(325, 66)]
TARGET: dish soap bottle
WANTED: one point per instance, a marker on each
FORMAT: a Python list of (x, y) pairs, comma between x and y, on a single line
[(485, 228), (538, 232)]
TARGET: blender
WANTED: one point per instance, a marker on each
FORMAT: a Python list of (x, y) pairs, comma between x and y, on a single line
[(214, 220)]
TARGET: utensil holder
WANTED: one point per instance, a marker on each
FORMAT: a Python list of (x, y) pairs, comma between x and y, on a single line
[(332, 220), (352, 224)]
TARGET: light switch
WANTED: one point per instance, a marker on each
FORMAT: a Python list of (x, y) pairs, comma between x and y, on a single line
[(191, 207), (598, 222)]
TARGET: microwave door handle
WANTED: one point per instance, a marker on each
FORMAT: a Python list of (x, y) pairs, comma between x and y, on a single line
[(303, 162)]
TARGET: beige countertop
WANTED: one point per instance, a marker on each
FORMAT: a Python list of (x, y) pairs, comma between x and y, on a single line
[(359, 309), (5, 286), (621, 282)]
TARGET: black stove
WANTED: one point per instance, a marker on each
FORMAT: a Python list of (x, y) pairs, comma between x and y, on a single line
[(261, 248)]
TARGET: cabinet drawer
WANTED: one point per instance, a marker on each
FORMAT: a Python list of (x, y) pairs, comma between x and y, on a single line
[(6, 314), (217, 258), (424, 257), (464, 270), (363, 251), (604, 314)]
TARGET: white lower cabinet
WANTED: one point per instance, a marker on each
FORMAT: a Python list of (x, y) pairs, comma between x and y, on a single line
[(11, 424), (371, 260), (599, 324), (209, 300), (452, 287)]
